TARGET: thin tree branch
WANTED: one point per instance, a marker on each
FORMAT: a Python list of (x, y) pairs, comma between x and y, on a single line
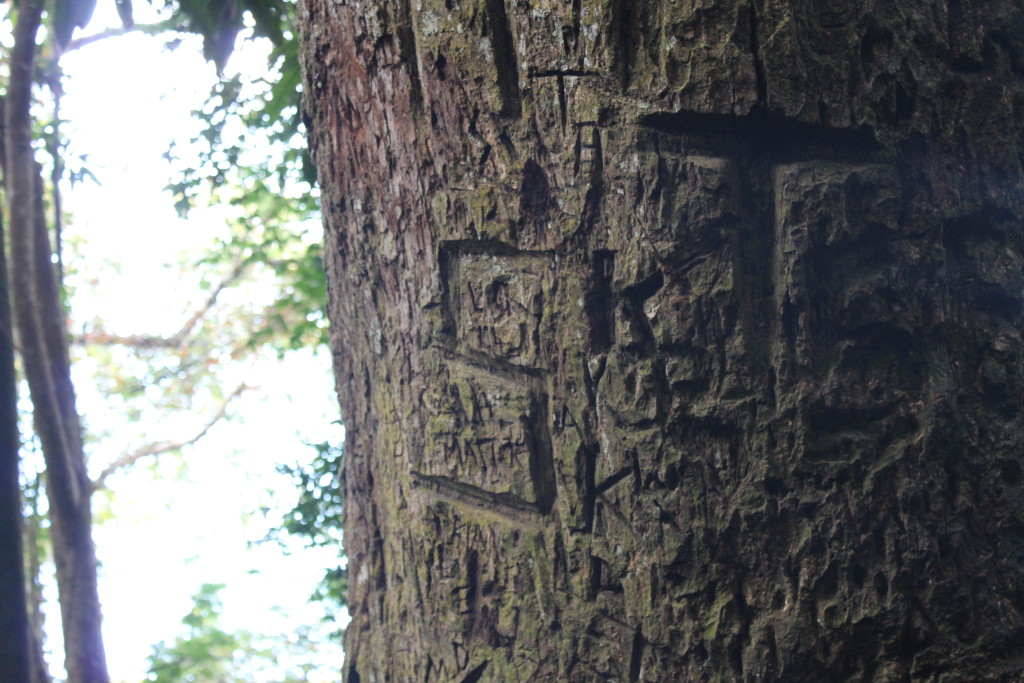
[(148, 29), (155, 341), (232, 277), (100, 482), (99, 337)]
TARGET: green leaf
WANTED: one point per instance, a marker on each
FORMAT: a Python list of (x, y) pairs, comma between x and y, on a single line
[(269, 19), (217, 21), (69, 15), (124, 11)]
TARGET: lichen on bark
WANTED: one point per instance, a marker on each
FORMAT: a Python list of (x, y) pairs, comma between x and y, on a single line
[(676, 341)]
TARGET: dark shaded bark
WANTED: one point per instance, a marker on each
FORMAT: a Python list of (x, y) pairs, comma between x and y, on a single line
[(676, 341), (15, 645), (44, 351), (33, 521)]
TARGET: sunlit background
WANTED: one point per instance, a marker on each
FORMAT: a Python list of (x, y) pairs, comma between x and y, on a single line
[(174, 522)]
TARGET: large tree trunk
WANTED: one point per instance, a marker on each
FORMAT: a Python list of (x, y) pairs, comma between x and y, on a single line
[(676, 340)]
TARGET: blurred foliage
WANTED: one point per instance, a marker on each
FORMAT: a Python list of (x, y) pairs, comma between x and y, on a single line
[(272, 203), (266, 112), (220, 21), (262, 280), (69, 15), (261, 283), (244, 114), (316, 519), (207, 653)]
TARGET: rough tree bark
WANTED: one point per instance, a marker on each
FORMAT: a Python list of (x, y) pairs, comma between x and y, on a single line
[(42, 333), (676, 340)]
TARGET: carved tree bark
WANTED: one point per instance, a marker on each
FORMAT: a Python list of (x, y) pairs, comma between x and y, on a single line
[(676, 340)]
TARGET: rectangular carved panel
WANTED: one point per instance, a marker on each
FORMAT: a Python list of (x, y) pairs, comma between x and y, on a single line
[(495, 300)]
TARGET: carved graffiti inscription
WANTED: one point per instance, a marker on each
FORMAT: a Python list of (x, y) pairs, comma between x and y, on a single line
[(493, 418)]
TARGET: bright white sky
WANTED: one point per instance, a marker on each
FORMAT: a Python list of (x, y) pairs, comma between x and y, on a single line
[(126, 98)]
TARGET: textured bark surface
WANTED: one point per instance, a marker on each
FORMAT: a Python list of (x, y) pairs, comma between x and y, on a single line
[(676, 340)]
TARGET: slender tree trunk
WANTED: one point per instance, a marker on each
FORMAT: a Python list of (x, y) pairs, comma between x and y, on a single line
[(34, 549), (15, 645), (44, 349), (676, 341)]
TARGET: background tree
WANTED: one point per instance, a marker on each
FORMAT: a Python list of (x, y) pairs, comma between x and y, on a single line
[(45, 357), (676, 341), (15, 651), (43, 334)]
